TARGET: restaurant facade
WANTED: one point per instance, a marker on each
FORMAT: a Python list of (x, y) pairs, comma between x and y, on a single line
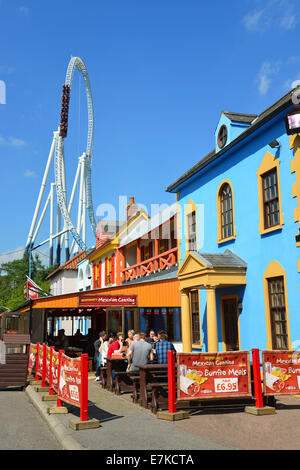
[(239, 253)]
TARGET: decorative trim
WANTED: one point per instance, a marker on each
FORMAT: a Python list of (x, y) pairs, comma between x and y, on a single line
[(274, 269), (219, 222), (295, 168), (269, 162)]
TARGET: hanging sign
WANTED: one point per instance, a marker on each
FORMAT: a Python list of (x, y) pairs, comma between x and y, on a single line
[(89, 300), (281, 372), (213, 375)]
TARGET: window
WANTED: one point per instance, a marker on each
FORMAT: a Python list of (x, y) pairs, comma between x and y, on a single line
[(195, 317), (278, 313), (192, 241), (226, 211), (270, 199), (222, 136)]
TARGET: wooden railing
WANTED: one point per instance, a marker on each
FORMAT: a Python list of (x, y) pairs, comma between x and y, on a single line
[(157, 263)]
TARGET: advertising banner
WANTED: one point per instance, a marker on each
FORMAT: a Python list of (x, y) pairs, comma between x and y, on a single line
[(69, 389), (92, 300), (281, 372), (32, 357), (213, 375), (54, 365), (39, 363)]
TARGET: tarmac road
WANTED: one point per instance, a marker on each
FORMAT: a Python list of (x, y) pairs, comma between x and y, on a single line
[(22, 427)]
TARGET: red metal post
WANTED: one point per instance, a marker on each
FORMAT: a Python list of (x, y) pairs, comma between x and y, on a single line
[(37, 360), (257, 378), (60, 352), (44, 366), (171, 382), (84, 387), (51, 392)]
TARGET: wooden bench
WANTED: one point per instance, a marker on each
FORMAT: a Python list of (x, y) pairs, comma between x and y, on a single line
[(103, 376), (113, 366), (124, 381)]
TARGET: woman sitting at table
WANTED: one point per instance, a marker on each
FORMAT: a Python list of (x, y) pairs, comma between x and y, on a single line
[(116, 345), (130, 339)]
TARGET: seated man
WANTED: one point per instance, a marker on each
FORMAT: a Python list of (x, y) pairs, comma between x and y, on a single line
[(139, 352), (162, 347)]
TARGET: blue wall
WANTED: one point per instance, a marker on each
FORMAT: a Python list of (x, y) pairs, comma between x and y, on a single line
[(240, 168)]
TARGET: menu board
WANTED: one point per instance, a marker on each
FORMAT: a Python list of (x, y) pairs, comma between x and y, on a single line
[(69, 389), (216, 375), (281, 372)]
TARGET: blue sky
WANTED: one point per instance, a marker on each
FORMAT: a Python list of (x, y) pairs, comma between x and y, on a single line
[(161, 71)]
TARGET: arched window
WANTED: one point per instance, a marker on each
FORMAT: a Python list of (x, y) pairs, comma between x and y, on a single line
[(226, 216)]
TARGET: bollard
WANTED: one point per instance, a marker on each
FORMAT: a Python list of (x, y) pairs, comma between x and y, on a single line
[(257, 379), (44, 365), (51, 392), (171, 382), (37, 361), (84, 387)]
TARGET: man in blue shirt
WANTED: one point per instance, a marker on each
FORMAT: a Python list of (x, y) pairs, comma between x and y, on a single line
[(162, 347)]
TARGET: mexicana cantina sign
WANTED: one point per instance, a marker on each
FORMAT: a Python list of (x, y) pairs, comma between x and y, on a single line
[(89, 300)]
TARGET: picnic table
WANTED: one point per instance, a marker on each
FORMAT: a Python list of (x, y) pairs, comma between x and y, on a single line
[(147, 375), (117, 365)]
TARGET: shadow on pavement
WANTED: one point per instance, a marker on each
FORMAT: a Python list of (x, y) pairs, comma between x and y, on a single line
[(95, 413)]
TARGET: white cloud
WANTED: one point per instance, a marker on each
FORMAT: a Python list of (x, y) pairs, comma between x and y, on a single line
[(23, 9), (30, 174), (12, 142), (265, 74), (276, 14)]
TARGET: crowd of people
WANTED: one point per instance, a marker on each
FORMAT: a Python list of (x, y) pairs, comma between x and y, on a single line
[(138, 348)]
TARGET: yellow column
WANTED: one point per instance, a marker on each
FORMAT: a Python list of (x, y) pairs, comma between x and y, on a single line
[(186, 322), (212, 325)]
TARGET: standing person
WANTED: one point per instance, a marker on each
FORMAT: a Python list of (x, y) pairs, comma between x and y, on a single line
[(104, 348), (98, 354), (139, 352), (116, 345), (162, 347)]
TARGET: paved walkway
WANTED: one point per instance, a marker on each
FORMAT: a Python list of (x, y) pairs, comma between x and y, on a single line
[(22, 428), (126, 426)]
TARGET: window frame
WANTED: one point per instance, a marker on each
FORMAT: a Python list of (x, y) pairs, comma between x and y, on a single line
[(195, 313), (268, 165), (220, 238)]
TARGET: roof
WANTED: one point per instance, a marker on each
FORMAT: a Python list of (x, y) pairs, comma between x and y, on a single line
[(279, 106), (69, 265), (227, 259), (150, 225), (240, 117)]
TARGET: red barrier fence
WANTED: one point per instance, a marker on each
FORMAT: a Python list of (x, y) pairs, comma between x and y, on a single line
[(66, 376), (228, 374)]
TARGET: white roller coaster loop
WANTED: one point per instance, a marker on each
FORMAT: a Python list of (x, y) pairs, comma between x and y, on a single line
[(85, 192)]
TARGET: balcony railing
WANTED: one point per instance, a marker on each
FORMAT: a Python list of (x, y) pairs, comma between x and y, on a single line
[(157, 263)]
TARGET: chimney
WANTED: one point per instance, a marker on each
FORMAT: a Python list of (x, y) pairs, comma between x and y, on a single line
[(132, 208)]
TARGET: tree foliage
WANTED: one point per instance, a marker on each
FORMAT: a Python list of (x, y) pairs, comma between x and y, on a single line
[(14, 276)]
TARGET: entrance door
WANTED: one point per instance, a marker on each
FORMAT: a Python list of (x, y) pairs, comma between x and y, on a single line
[(230, 324)]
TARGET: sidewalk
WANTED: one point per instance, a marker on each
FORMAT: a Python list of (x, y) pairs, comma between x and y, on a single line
[(123, 426), (127, 426)]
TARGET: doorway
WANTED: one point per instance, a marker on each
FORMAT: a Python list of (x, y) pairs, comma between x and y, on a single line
[(230, 323)]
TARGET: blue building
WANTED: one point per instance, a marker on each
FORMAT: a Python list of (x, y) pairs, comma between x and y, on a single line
[(239, 247)]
